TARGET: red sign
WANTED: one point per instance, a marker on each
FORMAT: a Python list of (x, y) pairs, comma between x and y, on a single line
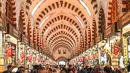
[(116, 50)]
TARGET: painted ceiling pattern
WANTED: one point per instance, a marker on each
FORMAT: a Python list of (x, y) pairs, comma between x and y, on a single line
[(53, 24)]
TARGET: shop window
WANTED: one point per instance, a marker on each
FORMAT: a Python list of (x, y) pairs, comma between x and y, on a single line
[(10, 53), (59, 51)]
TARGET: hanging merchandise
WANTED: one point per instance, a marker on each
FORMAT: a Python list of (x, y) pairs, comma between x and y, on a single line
[(39, 60), (102, 54), (121, 62), (89, 58), (86, 58), (81, 59), (22, 55), (94, 56), (116, 50), (35, 58), (9, 52), (29, 58)]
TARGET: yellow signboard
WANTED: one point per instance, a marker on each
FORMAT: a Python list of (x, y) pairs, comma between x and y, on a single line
[(125, 50)]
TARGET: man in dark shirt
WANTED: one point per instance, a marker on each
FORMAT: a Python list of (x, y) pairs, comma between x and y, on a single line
[(9, 69)]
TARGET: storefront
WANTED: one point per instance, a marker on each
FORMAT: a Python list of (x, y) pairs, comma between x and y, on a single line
[(29, 58), (101, 52), (10, 45), (113, 45), (126, 36), (21, 54), (94, 55), (1, 52), (23, 45)]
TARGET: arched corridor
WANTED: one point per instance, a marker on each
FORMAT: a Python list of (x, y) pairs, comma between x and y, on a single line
[(78, 32)]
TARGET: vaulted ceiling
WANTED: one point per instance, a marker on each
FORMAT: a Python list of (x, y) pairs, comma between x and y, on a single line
[(62, 23)]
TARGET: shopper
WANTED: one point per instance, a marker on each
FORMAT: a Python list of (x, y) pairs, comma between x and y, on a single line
[(42, 70), (21, 69), (73, 69), (70, 71), (107, 69), (9, 69)]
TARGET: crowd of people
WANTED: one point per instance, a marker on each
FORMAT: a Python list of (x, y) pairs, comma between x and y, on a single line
[(68, 69)]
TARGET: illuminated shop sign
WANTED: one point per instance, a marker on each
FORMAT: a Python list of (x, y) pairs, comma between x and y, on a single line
[(125, 50)]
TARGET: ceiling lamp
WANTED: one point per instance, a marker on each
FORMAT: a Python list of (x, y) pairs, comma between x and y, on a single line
[(44, 20), (36, 7), (85, 6)]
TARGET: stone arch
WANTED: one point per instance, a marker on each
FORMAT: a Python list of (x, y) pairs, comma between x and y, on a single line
[(101, 22), (11, 12), (94, 31), (61, 58), (22, 26)]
